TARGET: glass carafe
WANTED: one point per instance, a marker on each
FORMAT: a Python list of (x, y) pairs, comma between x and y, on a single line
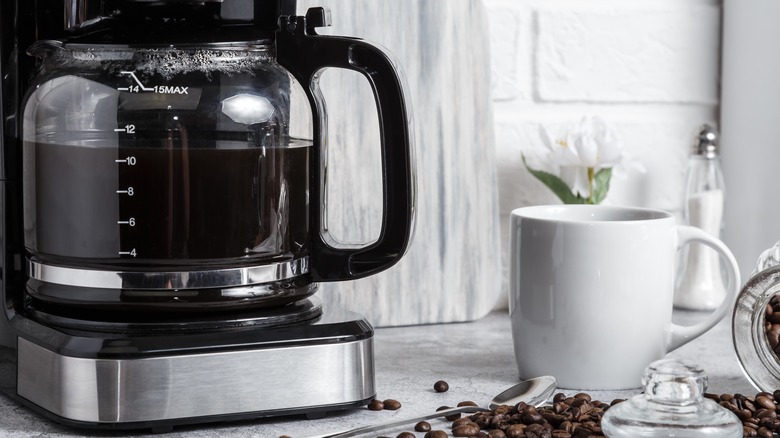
[(191, 175)]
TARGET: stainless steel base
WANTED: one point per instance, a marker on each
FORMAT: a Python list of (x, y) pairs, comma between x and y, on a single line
[(311, 374)]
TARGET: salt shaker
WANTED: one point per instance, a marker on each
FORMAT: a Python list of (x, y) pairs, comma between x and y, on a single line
[(701, 285), (673, 405)]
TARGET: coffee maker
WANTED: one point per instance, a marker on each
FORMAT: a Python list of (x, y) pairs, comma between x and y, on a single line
[(163, 195)]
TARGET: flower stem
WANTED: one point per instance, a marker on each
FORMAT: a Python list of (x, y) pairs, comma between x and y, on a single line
[(591, 175)]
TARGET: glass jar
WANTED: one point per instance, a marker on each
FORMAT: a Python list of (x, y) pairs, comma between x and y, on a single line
[(756, 323)]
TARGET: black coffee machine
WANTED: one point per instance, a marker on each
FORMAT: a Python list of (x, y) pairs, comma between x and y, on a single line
[(164, 223)]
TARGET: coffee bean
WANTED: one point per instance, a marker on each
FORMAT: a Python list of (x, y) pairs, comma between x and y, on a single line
[(465, 430), (441, 386), (422, 426), (405, 435), (765, 402), (467, 403), (583, 396), (534, 418), (536, 431), (504, 409), (436, 434), (392, 405), (515, 431), (376, 405), (553, 418), (496, 433), (463, 421)]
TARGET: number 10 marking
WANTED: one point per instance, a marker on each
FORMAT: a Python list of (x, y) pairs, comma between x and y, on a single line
[(130, 161)]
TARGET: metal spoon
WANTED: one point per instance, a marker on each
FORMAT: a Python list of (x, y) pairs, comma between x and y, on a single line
[(534, 392)]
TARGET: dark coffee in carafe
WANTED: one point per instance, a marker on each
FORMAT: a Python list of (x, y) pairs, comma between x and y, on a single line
[(168, 204)]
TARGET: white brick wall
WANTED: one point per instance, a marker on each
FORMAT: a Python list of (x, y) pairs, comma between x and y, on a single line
[(650, 67)]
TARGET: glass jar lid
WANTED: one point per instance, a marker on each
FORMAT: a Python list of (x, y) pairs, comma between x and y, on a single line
[(672, 404)]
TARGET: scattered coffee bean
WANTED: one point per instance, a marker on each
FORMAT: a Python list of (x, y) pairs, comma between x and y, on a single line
[(765, 401), (376, 405), (580, 416), (392, 405), (467, 403), (515, 431), (422, 426), (567, 417), (441, 386), (462, 421), (465, 430)]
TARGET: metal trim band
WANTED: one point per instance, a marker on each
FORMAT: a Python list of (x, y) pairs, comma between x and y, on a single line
[(229, 277), (197, 385)]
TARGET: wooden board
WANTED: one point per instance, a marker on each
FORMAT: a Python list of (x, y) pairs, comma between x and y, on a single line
[(452, 272)]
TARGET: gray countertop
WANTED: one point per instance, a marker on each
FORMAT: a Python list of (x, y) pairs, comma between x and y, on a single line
[(475, 358)]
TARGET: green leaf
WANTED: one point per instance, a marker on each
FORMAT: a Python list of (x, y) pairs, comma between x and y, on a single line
[(554, 183), (601, 185)]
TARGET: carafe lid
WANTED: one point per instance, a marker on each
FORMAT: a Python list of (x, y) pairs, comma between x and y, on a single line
[(174, 22)]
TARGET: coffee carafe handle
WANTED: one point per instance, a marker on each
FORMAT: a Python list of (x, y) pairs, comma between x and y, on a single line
[(305, 54)]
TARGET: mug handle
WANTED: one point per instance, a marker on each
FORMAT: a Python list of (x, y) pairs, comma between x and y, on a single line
[(681, 335), (305, 54)]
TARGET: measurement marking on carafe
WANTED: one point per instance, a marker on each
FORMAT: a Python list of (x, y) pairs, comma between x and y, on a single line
[(130, 222), (134, 88), (129, 191), (159, 89), (130, 129), (132, 252), (130, 161)]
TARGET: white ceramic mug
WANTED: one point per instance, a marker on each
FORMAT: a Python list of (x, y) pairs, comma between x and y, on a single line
[(591, 292)]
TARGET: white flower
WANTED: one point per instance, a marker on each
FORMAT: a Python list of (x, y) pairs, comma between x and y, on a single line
[(582, 151)]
